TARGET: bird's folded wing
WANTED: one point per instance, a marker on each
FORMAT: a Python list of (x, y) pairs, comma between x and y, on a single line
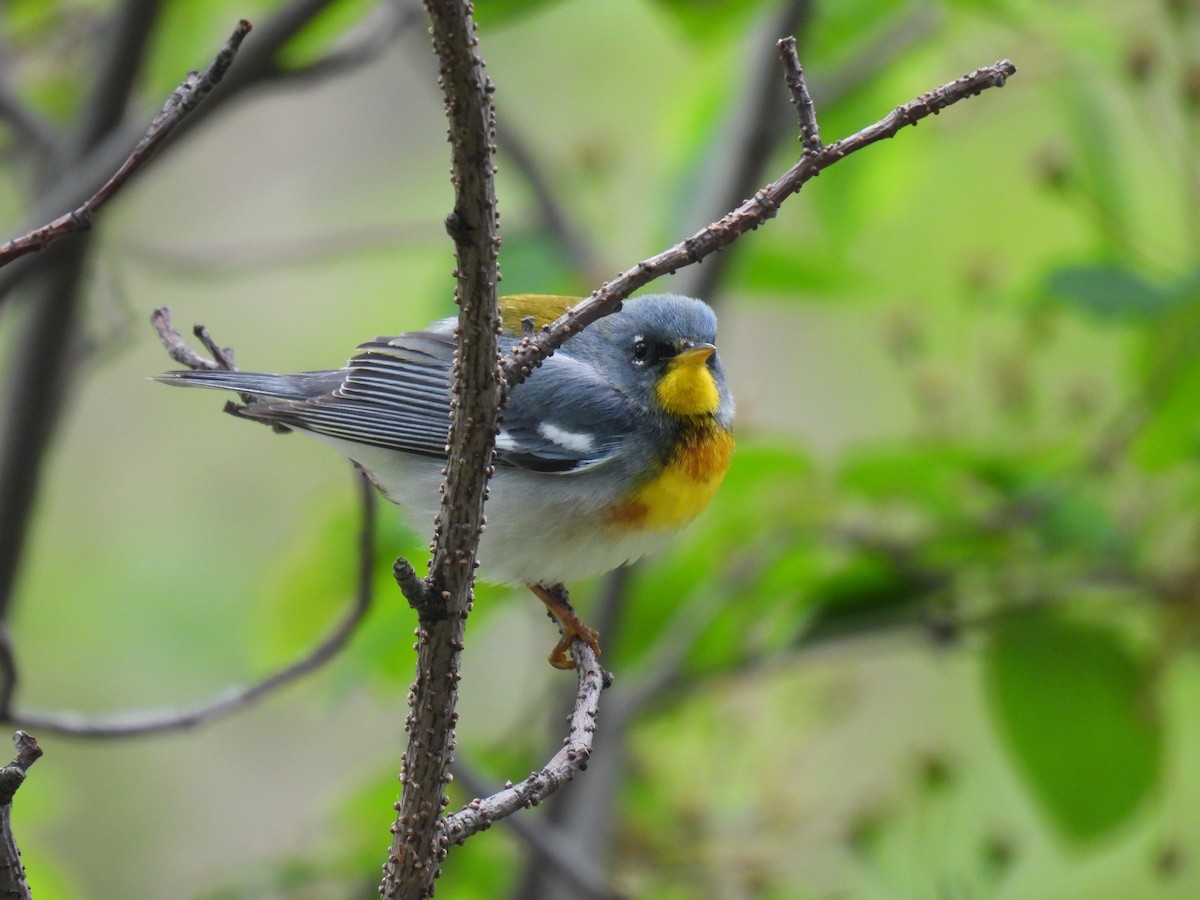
[(565, 418), (395, 394)]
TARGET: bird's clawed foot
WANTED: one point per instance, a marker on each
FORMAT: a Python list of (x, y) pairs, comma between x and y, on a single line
[(558, 604)]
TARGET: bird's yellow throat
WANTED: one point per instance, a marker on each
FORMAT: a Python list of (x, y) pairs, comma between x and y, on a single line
[(689, 388)]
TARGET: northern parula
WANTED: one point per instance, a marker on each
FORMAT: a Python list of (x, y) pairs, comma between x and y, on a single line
[(617, 442)]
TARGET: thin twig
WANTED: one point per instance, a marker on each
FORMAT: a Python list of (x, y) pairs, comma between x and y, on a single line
[(176, 346), (133, 724), (257, 64), (578, 871), (182, 101), (565, 764), (810, 134), (754, 212), (754, 129)]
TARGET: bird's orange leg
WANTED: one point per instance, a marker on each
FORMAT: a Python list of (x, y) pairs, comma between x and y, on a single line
[(558, 604)]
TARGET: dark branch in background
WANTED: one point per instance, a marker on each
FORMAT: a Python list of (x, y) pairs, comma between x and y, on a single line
[(418, 845), (364, 43), (555, 221), (46, 353), (144, 722), (751, 214), (230, 701), (12, 776), (46, 344), (183, 100)]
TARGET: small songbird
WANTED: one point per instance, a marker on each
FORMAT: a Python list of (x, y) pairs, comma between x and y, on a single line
[(614, 444)]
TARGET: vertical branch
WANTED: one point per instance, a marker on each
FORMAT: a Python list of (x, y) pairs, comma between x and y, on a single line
[(12, 776), (810, 134), (443, 599)]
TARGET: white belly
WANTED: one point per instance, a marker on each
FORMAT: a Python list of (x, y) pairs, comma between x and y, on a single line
[(541, 529)]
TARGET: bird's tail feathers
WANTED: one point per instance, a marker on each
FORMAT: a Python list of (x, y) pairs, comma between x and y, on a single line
[(259, 384)]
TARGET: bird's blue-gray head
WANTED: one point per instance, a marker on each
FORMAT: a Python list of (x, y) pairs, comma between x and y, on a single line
[(660, 351)]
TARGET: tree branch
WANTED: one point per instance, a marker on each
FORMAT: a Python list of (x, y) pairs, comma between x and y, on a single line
[(134, 724), (563, 766), (183, 100), (44, 351), (810, 134), (12, 776), (418, 846), (751, 214)]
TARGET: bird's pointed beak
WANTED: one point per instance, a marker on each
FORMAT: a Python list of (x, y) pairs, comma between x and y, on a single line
[(696, 355)]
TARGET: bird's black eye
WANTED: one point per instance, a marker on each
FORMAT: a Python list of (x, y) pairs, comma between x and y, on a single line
[(648, 352), (643, 352)]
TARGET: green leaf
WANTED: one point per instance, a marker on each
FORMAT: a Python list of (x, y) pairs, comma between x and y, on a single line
[(1171, 434), (938, 478), (314, 40), (494, 13), (704, 20), (1109, 291), (1077, 713), (778, 267)]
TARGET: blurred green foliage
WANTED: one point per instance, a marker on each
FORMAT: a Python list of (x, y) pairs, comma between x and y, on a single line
[(931, 638)]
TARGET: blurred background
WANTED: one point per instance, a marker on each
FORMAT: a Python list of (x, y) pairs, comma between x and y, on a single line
[(936, 637)]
